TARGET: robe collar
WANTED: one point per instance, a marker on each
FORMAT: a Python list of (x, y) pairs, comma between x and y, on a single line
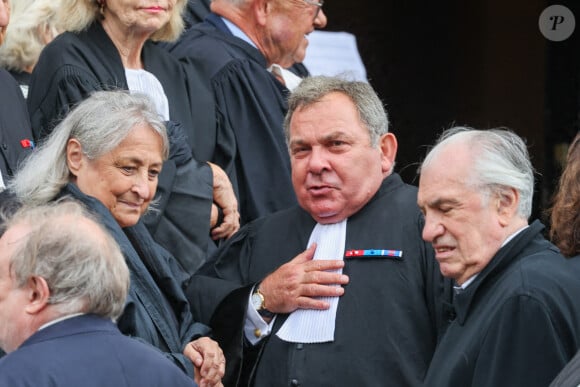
[(505, 257)]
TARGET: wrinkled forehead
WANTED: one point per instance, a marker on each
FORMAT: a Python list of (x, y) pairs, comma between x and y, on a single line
[(14, 236)]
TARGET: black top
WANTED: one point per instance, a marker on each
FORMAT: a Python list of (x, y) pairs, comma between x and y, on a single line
[(15, 133)]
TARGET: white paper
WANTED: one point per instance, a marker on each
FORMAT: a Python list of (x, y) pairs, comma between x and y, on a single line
[(334, 53)]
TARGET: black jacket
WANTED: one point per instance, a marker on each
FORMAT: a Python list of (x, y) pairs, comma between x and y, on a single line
[(15, 133), (518, 322)]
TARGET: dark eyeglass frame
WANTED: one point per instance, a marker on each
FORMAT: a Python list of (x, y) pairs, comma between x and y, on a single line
[(318, 4)]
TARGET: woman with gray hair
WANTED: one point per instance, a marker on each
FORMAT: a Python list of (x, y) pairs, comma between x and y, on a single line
[(110, 44), (108, 153)]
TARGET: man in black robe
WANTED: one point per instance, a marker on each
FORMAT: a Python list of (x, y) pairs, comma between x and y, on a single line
[(195, 12), (384, 297), (236, 45), (518, 317)]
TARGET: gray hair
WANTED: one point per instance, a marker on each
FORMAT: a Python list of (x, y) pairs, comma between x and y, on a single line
[(81, 263), (99, 123), (78, 15), (500, 161), (371, 111), (24, 41)]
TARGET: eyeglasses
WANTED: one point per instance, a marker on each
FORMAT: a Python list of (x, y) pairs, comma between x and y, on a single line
[(317, 4)]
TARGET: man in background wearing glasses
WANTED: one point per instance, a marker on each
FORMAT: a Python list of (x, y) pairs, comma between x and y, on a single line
[(245, 47)]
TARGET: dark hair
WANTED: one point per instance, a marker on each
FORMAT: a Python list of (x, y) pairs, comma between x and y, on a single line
[(565, 211)]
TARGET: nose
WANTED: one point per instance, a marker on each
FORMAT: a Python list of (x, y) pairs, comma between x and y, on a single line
[(317, 161), (432, 229), (320, 20), (141, 186)]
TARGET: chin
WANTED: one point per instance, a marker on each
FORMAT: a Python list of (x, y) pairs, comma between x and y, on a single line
[(127, 222), (327, 218)]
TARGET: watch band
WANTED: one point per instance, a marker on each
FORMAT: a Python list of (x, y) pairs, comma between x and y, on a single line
[(262, 311)]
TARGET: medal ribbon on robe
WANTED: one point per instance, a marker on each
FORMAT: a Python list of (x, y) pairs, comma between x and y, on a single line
[(312, 325)]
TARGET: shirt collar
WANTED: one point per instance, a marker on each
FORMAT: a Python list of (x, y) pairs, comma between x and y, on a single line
[(59, 320), (464, 285), (237, 32)]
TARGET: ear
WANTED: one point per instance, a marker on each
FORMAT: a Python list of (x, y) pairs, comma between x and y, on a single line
[(45, 33), (388, 145), (261, 10), (38, 294), (507, 203), (74, 156)]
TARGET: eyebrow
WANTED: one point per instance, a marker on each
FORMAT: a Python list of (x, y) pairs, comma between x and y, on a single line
[(442, 201), (136, 160), (329, 137)]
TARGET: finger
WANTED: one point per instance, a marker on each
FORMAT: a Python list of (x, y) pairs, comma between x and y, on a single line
[(325, 278), (306, 255), (224, 233), (214, 372), (318, 290), (224, 230), (193, 354), (213, 366), (323, 265), (313, 302)]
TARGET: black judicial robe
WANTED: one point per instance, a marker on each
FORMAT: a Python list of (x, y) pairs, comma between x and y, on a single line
[(75, 64), (518, 322), (388, 320), (195, 12), (15, 132), (252, 105)]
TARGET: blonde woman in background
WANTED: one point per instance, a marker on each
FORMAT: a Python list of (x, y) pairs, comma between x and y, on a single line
[(32, 26)]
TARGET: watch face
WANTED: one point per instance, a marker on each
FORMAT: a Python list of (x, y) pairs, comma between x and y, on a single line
[(257, 301)]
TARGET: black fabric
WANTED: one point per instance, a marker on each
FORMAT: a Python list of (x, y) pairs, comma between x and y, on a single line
[(518, 322), (15, 131), (570, 375), (22, 77), (251, 105), (156, 311), (75, 64), (388, 320), (195, 12)]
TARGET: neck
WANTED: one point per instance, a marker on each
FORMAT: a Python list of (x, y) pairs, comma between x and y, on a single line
[(128, 44)]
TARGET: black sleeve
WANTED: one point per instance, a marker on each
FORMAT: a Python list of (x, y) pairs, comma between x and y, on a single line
[(181, 220)]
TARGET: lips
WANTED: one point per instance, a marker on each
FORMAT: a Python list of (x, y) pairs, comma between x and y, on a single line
[(132, 205), (320, 189), (154, 9), (443, 253)]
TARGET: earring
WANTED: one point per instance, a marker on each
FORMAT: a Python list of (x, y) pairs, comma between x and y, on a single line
[(102, 7)]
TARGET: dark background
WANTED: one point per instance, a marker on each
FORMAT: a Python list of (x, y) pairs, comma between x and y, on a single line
[(476, 63)]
